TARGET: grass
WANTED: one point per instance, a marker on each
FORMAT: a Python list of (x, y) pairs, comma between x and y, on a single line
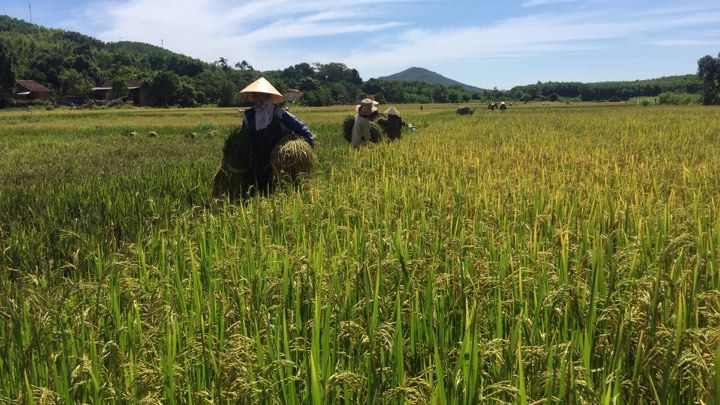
[(564, 255)]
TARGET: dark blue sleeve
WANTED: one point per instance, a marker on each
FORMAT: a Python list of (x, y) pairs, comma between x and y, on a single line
[(298, 127)]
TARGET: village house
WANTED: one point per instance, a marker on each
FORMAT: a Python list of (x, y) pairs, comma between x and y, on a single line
[(293, 95), (135, 91), (31, 90)]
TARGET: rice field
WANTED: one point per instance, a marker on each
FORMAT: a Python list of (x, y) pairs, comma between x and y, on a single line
[(550, 254)]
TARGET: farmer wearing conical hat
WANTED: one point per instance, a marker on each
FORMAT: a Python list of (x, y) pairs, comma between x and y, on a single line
[(393, 124), (268, 123), (361, 129)]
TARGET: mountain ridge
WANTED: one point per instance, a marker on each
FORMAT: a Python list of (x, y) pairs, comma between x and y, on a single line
[(420, 74)]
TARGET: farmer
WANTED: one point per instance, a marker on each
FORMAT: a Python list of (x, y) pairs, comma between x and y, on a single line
[(268, 123), (366, 112), (393, 125)]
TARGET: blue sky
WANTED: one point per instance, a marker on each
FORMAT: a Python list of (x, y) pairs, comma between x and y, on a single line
[(482, 43)]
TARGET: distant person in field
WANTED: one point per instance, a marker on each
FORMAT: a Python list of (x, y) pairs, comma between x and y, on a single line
[(393, 124), (366, 112), (268, 123)]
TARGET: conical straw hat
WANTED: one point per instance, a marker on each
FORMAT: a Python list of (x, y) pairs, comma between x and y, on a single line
[(261, 85), (367, 106), (392, 111)]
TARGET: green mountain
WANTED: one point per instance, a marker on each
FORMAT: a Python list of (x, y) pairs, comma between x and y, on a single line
[(418, 74)]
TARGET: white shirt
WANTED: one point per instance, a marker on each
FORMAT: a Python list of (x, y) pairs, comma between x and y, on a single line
[(264, 115), (360, 131)]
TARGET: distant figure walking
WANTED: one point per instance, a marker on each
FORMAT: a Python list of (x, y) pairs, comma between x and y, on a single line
[(366, 112), (503, 107)]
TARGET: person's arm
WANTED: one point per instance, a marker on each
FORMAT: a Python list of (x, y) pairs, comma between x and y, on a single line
[(298, 127)]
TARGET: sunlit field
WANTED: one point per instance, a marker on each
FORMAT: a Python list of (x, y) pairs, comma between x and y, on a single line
[(548, 254)]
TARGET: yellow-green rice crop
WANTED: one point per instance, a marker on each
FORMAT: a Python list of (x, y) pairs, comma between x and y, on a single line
[(564, 255)]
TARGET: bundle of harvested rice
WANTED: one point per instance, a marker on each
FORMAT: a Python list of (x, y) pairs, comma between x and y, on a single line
[(229, 183), (348, 124), (383, 123), (376, 131), (234, 177), (292, 160)]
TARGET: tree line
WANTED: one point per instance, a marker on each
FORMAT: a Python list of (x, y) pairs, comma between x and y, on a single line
[(606, 91)]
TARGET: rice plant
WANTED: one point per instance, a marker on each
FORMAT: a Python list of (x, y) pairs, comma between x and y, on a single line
[(556, 255)]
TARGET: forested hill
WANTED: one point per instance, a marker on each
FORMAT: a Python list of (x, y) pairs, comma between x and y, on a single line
[(39, 51), (69, 61), (418, 74), (611, 91)]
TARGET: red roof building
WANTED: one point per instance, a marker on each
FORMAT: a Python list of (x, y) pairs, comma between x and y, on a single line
[(292, 95)]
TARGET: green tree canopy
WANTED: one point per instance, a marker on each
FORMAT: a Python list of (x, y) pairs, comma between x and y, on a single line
[(74, 83), (164, 88), (709, 73), (7, 74)]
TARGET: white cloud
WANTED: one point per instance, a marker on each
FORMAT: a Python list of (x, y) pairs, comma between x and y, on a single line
[(273, 34), (257, 30), (527, 36), (682, 42), (690, 39), (533, 3)]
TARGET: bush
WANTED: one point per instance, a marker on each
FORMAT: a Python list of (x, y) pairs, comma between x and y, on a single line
[(29, 104), (204, 127), (642, 101), (669, 98)]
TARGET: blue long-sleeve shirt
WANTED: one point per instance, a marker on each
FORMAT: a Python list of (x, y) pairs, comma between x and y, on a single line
[(287, 120)]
